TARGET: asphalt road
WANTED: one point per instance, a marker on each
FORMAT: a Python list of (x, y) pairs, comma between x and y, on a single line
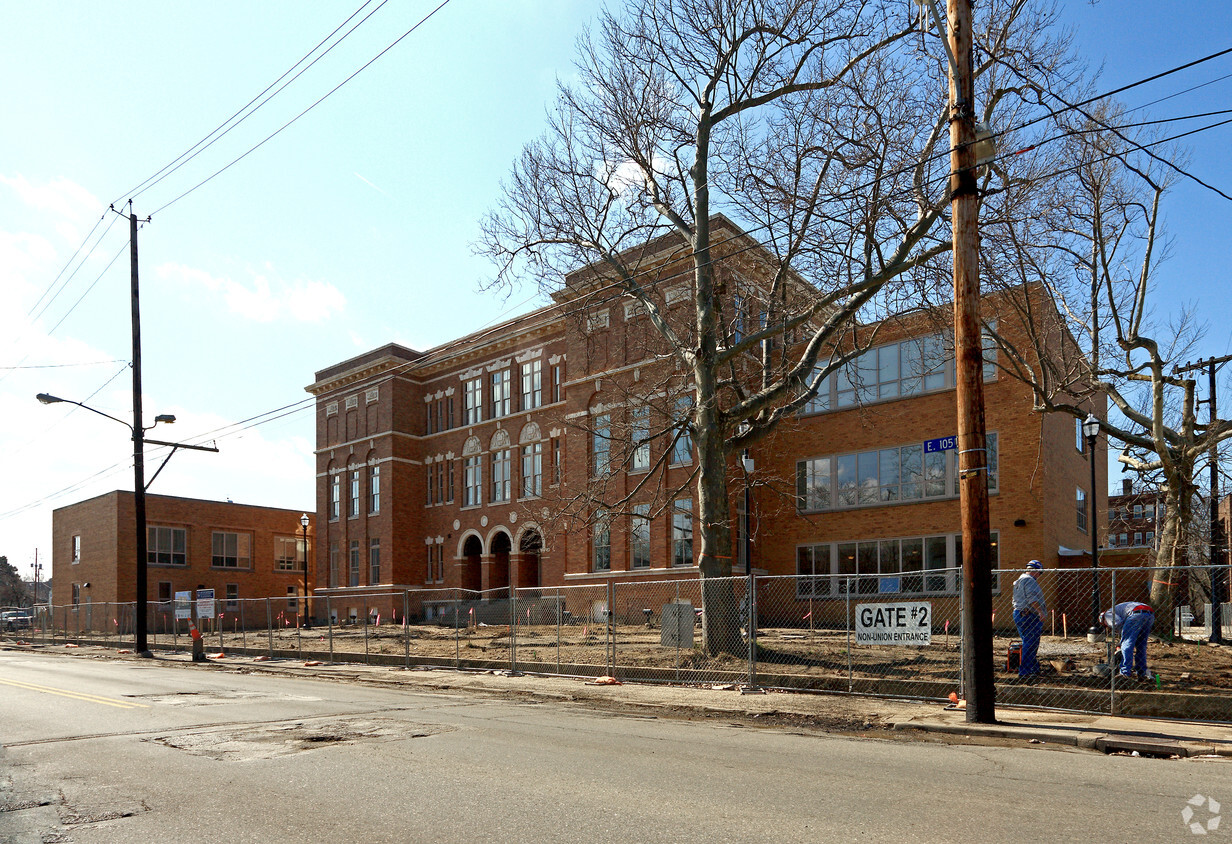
[(118, 751)]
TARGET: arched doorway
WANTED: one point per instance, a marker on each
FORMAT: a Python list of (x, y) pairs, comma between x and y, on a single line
[(472, 564), (531, 547), (498, 574)]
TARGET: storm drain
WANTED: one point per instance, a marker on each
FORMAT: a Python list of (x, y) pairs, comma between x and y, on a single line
[(269, 741)]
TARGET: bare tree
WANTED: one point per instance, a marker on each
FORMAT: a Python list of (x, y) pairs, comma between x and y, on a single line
[(820, 125), (1091, 242)]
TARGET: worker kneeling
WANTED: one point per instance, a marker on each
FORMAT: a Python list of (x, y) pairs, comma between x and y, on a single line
[(1134, 619)]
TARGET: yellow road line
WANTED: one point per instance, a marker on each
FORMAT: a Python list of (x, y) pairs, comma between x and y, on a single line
[(83, 696)]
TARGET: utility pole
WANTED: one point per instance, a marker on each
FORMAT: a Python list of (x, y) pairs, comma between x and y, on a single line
[(141, 646), (969, 371), (1219, 573)]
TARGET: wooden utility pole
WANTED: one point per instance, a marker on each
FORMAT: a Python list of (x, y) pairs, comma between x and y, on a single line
[(1219, 572), (969, 371)]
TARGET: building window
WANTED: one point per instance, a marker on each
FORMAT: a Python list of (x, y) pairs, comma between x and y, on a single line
[(1137, 512), (1081, 502), (1149, 538), (558, 381), (449, 479), (164, 594), (820, 401), (354, 579), (293, 598), (639, 436), (167, 546), (76, 550), (911, 566), (333, 564), (885, 476), (682, 439), (76, 594), (473, 401), (335, 496), (532, 470), (233, 596), (502, 480), (354, 511), (374, 561), (556, 458), (602, 543), (374, 489), (639, 537), (601, 446), (1137, 537), (682, 532), (532, 384), (288, 553), (1080, 441), (231, 550), (472, 481), (500, 393)]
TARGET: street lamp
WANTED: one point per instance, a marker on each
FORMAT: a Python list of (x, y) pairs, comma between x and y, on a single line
[(303, 523), (1090, 430), (139, 485)]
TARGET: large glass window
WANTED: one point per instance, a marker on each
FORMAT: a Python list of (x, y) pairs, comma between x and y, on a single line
[(335, 495), (639, 537), (500, 393), (472, 481), (472, 401), (288, 553), (682, 443), (601, 446), (231, 550), (374, 561), (910, 566), (354, 578), (602, 542), (166, 546), (532, 384), (532, 470), (639, 439), (502, 479), (374, 489), (354, 511), (884, 476), (682, 532)]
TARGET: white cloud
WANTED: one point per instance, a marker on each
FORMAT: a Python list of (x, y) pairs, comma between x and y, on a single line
[(263, 299), (64, 199)]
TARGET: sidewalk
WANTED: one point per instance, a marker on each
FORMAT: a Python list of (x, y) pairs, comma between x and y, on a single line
[(830, 712)]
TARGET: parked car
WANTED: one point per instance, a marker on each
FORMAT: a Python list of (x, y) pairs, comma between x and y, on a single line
[(12, 620)]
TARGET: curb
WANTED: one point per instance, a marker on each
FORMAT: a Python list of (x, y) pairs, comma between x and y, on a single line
[(1103, 742)]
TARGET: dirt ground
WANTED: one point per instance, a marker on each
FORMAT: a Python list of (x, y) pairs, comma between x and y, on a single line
[(1182, 665)]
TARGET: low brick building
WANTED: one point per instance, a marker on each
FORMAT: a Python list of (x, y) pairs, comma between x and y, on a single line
[(238, 550)]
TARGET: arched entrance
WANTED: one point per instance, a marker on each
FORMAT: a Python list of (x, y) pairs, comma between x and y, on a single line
[(472, 564), (498, 574), (531, 547)]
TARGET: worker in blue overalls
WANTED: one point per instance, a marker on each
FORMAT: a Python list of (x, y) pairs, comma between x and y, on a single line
[(1029, 609), (1134, 619)]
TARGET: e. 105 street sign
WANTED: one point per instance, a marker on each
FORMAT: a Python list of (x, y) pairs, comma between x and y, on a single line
[(940, 444)]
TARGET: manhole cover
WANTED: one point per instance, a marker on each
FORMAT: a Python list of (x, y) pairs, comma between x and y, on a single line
[(267, 741)]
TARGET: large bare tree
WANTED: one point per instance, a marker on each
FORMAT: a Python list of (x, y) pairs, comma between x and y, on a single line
[(820, 126)]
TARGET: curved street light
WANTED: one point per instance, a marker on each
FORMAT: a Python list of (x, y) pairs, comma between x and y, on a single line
[(139, 485), (1090, 430)]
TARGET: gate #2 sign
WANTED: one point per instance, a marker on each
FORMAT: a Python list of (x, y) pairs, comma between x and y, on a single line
[(894, 624)]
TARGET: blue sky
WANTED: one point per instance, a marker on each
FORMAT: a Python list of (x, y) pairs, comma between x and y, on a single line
[(349, 229)]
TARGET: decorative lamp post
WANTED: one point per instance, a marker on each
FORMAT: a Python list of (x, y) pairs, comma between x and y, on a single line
[(303, 523), (1090, 430)]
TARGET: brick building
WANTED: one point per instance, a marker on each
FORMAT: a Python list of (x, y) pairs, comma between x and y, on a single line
[(238, 550), (470, 465), (1133, 517)]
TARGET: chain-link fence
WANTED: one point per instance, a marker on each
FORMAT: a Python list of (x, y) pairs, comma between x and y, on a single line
[(897, 635)]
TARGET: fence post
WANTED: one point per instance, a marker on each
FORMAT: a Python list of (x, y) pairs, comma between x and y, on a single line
[(243, 626), (406, 624), (329, 620), (1112, 666), (269, 626), (847, 624), (513, 630), (962, 654), (676, 600), (457, 609), (367, 661), (559, 612), (299, 624), (610, 640)]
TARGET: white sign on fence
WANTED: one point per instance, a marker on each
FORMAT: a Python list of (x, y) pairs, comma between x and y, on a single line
[(205, 603), (894, 624), (183, 605)]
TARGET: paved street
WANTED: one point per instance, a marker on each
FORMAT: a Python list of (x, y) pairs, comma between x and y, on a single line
[(132, 750)]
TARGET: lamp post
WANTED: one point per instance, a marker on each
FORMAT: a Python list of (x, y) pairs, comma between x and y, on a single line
[(1090, 429), (746, 462), (139, 485), (303, 523)]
